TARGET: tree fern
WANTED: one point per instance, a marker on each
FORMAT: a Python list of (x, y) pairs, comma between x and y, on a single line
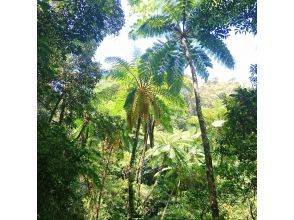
[(156, 25)]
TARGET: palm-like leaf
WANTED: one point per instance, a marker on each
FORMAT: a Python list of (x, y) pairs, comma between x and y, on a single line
[(178, 10), (202, 62), (117, 61), (154, 26), (183, 13), (128, 106), (158, 53), (175, 69), (119, 74), (175, 149), (175, 99), (162, 113), (122, 70), (216, 47), (167, 65), (145, 94)]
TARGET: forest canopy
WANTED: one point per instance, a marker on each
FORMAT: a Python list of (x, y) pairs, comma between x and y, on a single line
[(144, 139)]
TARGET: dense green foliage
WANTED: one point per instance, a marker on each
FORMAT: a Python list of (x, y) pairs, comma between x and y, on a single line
[(127, 143), (68, 34), (238, 150)]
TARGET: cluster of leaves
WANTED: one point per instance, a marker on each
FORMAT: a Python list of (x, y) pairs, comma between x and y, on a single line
[(218, 17), (147, 90), (68, 35), (59, 165), (238, 150), (174, 168), (222, 16), (178, 22)]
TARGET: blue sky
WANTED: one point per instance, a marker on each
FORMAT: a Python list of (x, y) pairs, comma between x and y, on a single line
[(242, 47)]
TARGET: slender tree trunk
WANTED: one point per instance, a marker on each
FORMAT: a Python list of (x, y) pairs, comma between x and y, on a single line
[(205, 141), (142, 160), (131, 173), (55, 107), (103, 183)]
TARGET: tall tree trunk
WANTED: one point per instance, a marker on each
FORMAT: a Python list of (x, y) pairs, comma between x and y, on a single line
[(103, 183), (205, 141), (131, 208), (142, 160)]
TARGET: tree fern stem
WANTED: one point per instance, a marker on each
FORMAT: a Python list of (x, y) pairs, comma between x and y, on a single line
[(131, 208), (205, 141), (142, 160)]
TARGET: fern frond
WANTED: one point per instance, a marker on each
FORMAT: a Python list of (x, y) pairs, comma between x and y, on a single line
[(122, 68), (128, 106), (174, 73), (164, 63), (182, 8), (202, 62), (162, 113), (216, 47), (118, 74), (152, 27), (119, 62)]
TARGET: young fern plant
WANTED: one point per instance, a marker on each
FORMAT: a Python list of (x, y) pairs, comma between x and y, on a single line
[(145, 103)]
